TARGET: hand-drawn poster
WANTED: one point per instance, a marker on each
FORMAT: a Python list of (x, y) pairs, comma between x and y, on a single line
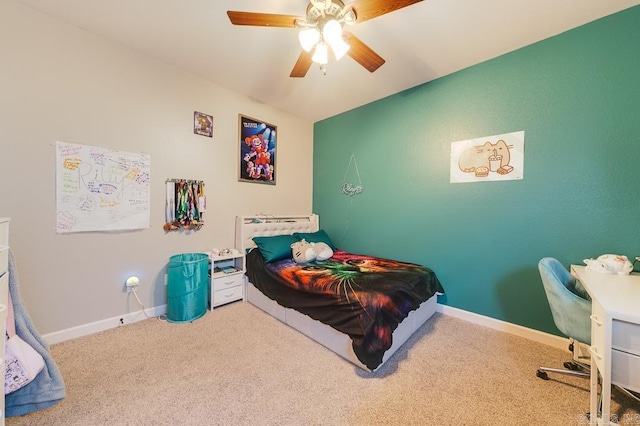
[(489, 158), (100, 189)]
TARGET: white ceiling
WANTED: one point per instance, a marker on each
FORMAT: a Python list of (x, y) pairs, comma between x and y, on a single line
[(420, 43)]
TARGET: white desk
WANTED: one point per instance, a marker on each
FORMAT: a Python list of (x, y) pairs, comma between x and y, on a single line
[(615, 334)]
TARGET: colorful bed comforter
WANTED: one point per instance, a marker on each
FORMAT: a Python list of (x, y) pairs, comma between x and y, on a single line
[(362, 296)]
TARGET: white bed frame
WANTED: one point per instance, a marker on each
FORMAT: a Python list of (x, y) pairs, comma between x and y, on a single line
[(248, 227)]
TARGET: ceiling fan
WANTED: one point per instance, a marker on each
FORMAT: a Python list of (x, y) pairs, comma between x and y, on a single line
[(321, 30)]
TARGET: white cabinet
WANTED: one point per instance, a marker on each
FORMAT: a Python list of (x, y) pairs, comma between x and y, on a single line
[(625, 353), (4, 291), (227, 279)]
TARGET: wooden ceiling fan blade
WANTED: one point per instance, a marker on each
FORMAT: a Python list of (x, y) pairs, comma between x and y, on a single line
[(262, 19), (369, 9), (363, 54), (302, 65)]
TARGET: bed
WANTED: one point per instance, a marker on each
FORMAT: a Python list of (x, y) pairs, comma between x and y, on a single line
[(369, 346)]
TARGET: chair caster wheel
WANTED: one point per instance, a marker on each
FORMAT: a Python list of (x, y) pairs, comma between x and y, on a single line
[(542, 374), (570, 365)]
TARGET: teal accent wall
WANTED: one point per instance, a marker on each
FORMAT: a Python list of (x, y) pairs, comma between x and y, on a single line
[(576, 96)]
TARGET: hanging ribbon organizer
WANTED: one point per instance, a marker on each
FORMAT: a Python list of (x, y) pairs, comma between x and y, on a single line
[(186, 204)]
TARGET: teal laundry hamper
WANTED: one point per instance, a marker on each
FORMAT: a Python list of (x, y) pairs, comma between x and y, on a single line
[(187, 287)]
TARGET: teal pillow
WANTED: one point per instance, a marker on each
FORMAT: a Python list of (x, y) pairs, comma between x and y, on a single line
[(276, 247), (315, 237)]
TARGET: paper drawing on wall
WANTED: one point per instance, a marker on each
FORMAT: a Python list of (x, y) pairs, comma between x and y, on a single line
[(489, 158), (347, 187), (257, 151), (101, 189)]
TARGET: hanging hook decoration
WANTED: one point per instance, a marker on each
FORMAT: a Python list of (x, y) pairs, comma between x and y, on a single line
[(186, 204), (349, 188)]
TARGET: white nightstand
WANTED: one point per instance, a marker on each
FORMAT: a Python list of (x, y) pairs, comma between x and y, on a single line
[(226, 286)]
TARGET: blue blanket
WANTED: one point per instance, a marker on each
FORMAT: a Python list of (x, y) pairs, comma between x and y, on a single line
[(48, 387)]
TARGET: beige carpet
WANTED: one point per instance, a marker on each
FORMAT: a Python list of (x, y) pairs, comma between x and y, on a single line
[(238, 366)]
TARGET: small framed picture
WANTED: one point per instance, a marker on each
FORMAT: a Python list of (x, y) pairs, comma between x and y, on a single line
[(257, 140), (202, 124)]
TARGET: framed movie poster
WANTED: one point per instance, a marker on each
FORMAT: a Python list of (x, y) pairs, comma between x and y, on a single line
[(257, 160)]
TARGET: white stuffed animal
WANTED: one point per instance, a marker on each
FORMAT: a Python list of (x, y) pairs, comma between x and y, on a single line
[(304, 251), (610, 264), (323, 251)]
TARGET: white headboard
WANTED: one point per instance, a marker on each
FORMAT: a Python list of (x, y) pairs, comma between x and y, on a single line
[(248, 227)]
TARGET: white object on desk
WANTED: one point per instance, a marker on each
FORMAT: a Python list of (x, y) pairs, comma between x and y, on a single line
[(615, 334), (610, 264)]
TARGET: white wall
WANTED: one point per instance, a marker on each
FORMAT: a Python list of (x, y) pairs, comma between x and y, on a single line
[(58, 82)]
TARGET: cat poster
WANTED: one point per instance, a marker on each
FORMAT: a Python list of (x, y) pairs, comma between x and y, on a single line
[(489, 158)]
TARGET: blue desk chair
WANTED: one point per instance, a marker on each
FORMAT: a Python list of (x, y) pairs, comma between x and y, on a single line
[(571, 309)]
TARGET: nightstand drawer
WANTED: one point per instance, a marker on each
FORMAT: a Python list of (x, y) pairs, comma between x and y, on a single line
[(231, 294), (226, 282)]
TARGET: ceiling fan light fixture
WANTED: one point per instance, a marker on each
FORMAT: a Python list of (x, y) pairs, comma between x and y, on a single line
[(349, 16), (309, 37), (332, 31), (340, 48), (321, 4), (316, 40), (321, 54)]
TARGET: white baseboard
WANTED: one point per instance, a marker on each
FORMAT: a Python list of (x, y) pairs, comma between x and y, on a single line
[(117, 321), (518, 330), (102, 325)]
